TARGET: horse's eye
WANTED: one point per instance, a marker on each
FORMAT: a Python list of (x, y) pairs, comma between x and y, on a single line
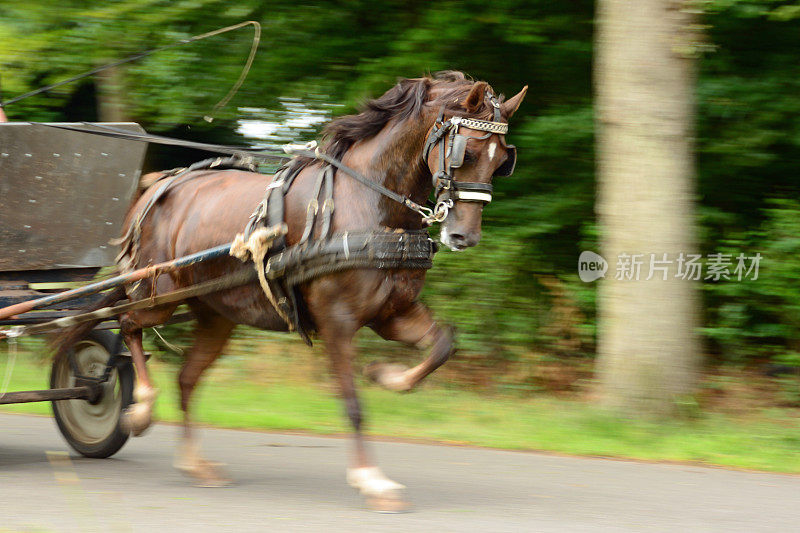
[(469, 157)]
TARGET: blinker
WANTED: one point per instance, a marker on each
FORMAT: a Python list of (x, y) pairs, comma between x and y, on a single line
[(507, 168), (459, 146), (457, 151)]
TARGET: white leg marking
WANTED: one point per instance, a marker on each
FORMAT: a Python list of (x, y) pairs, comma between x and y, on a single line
[(394, 377), (372, 482), (492, 149), (189, 461), (139, 415)]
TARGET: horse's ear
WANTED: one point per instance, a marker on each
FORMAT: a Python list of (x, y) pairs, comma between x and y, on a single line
[(474, 99), (510, 106)]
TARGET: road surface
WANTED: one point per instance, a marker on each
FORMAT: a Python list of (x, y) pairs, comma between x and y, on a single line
[(296, 483)]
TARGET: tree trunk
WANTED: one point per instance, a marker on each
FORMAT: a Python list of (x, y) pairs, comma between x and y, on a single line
[(110, 96), (648, 349)]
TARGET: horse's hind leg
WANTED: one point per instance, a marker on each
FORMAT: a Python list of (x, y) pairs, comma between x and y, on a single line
[(414, 327), (211, 333), (139, 415)]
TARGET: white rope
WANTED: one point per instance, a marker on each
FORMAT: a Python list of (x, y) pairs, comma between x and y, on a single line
[(255, 247)]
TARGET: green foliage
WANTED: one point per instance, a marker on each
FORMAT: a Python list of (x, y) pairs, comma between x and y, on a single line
[(748, 155), (761, 317)]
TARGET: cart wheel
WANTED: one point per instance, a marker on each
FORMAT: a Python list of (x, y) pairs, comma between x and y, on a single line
[(90, 429)]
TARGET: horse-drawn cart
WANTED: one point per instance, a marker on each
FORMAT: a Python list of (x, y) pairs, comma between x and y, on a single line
[(291, 263), (63, 196)]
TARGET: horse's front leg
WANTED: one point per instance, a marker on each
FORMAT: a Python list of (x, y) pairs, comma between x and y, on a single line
[(415, 327), (382, 494)]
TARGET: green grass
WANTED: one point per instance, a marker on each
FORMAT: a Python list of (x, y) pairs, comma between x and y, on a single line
[(763, 440)]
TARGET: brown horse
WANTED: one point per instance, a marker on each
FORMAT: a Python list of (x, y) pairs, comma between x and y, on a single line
[(386, 142)]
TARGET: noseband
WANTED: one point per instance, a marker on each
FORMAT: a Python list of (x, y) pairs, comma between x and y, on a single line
[(452, 147)]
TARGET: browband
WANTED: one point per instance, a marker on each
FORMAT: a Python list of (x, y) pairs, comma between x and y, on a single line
[(481, 125)]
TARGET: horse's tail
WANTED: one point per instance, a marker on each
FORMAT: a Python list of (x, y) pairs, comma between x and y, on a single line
[(68, 337)]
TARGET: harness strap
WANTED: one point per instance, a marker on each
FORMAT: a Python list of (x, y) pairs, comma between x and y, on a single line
[(327, 205), (469, 191), (399, 198), (256, 247), (434, 137), (495, 104), (384, 249), (313, 207)]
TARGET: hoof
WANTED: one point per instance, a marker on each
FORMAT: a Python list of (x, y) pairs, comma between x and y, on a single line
[(213, 483), (136, 419), (382, 494), (139, 416), (206, 474), (388, 505), (389, 376), (212, 480)]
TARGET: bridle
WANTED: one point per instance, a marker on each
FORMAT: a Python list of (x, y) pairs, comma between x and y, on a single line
[(452, 146)]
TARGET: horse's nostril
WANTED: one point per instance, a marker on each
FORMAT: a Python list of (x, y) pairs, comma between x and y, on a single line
[(458, 239)]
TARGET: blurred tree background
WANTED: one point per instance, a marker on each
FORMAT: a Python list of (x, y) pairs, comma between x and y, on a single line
[(516, 299)]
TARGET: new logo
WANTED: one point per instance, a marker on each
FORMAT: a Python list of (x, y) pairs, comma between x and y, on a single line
[(591, 266)]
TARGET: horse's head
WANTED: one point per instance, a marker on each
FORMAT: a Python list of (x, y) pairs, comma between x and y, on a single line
[(465, 148)]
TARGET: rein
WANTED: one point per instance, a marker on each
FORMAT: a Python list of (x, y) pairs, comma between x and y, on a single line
[(445, 133), (242, 152), (311, 150)]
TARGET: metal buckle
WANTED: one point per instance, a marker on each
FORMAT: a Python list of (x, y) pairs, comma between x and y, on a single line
[(441, 210)]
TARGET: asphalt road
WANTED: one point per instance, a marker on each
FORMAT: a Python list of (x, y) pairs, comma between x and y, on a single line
[(293, 483)]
